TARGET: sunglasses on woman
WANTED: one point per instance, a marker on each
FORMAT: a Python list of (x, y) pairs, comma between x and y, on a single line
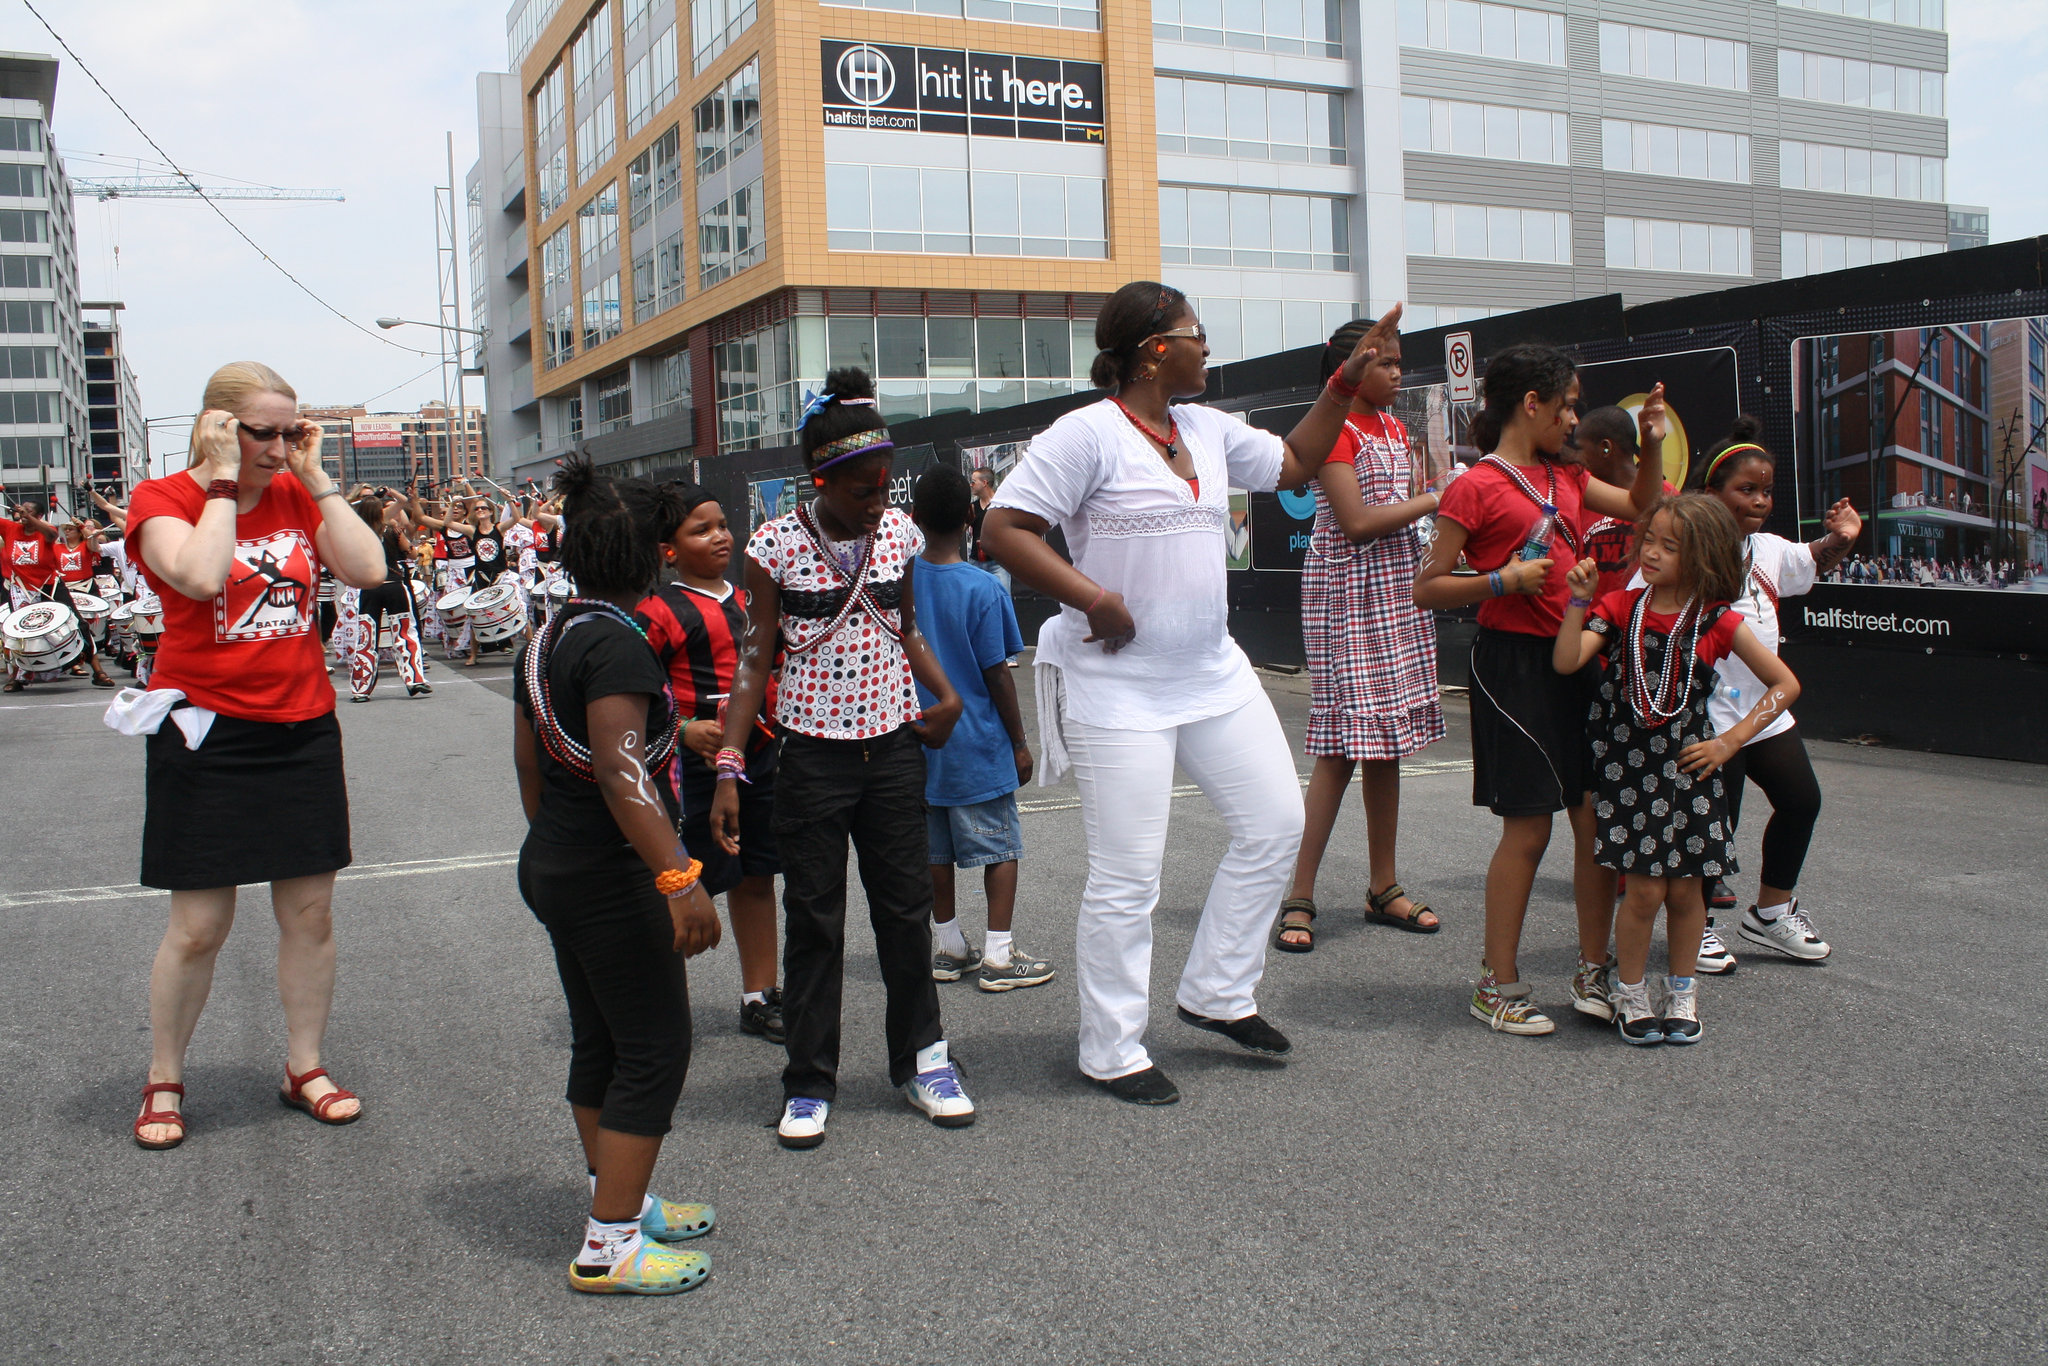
[(1196, 332), (262, 435)]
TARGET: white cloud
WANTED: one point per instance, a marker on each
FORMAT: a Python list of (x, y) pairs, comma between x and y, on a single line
[(353, 95)]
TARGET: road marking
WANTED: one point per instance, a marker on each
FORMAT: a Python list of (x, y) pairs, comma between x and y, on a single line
[(362, 872), (52, 706)]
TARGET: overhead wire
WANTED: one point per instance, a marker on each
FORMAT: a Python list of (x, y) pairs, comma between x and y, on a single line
[(233, 226)]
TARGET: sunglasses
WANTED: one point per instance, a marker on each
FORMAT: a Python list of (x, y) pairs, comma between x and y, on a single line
[(1197, 332), (263, 435)]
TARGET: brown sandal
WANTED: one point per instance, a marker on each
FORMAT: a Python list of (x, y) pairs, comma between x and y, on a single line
[(295, 1096), (152, 1115), (1377, 911), (1296, 905)]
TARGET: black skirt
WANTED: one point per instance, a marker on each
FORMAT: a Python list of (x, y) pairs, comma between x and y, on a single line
[(1528, 726), (258, 801)]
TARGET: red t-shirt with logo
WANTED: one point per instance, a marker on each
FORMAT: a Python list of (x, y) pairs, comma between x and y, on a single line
[(1497, 516), (75, 562), (251, 650), (31, 557), (1612, 542)]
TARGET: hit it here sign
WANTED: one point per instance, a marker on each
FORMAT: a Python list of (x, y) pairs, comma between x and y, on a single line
[(949, 90)]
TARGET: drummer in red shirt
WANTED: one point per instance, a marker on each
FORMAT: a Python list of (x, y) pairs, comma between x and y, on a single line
[(37, 571), (244, 779)]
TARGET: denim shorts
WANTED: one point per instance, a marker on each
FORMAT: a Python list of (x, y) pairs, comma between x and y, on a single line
[(976, 836)]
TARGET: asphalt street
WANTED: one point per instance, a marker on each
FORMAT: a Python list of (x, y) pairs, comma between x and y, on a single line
[(1849, 1167)]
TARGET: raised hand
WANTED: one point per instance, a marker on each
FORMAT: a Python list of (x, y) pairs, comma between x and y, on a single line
[(1843, 520), (1652, 420), (218, 446), (1376, 339)]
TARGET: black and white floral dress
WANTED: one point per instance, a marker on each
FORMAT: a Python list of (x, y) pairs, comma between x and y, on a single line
[(1650, 818)]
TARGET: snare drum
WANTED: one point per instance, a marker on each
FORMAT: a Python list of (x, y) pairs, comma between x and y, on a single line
[(496, 613), (92, 612), (44, 636), (120, 632), (108, 587), (450, 606), (146, 620)]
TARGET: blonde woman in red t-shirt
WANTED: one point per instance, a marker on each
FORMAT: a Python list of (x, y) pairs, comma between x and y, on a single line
[(245, 782), (1518, 517)]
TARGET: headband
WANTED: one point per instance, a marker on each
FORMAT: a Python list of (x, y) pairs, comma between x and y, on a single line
[(1735, 449), (847, 447), (816, 403)]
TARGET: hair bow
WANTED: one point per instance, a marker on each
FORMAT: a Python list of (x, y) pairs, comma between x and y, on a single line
[(813, 405)]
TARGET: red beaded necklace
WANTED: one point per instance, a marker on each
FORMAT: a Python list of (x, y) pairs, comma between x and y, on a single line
[(1172, 438)]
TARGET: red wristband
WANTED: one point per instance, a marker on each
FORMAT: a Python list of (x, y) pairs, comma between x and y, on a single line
[(1100, 594), (1339, 389), (224, 488)]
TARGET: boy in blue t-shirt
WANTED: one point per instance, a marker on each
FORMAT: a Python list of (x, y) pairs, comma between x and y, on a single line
[(971, 782)]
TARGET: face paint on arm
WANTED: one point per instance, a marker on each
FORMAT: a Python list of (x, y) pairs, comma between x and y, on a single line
[(643, 789)]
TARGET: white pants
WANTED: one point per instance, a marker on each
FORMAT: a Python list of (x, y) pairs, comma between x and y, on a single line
[(1244, 766)]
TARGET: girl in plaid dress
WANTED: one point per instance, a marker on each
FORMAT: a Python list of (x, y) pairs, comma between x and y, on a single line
[(1371, 650)]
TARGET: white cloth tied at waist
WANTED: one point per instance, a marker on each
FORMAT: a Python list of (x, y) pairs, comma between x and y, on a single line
[(135, 712), (1050, 694)]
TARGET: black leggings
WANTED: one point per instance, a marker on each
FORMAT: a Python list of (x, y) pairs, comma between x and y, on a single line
[(1780, 767)]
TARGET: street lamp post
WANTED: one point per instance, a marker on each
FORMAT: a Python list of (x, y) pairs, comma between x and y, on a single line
[(460, 403)]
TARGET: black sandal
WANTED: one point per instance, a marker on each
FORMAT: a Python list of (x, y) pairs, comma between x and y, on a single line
[(1296, 905), (1377, 911)]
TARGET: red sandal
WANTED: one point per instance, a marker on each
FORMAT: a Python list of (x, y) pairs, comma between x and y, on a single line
[(294, 1095), (152, 1115)]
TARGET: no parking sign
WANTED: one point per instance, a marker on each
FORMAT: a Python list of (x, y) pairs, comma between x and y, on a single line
[(1458, 366)]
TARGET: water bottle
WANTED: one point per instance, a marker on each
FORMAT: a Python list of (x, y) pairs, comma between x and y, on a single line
[(1536, 545)]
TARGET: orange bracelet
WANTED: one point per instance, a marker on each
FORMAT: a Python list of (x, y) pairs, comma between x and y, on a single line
[(674, 882)]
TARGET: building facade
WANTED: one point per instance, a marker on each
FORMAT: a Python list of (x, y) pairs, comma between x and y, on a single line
[(116, 433), (498, 255), (386, 450), (43, 446), (723, 198)]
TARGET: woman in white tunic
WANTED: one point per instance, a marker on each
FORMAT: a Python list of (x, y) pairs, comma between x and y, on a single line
[(1138, 672)]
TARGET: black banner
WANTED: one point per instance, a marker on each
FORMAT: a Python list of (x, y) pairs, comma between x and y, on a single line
[(1700, 393), (950, 90), (1930, 620)]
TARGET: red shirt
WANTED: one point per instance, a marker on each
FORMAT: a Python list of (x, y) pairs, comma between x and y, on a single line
[(697, 638), (1612, 610), (1612, 542), (75, 562), (31, 556), (250, 651), (1497, 516)]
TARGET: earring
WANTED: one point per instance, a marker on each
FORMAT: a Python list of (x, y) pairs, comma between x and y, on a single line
[(817, 481), (1148, 371)]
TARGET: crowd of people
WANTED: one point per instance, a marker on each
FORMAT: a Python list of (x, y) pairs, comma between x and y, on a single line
[(1928, 571), (680, 736)]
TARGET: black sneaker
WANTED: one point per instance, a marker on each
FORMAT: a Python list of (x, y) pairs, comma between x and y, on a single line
[(1251, 1033), (1149, 1087), (1719, 896), (763, 1017)]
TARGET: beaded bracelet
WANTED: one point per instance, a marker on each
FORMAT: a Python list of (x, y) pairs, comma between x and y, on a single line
[(1499, 584), (675, 882), (224, 488), (1339, 390), (731, 763), (1578, 602)]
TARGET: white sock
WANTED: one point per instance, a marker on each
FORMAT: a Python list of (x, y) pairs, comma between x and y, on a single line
[(933, 1058), (754, 998), (608, 1244), (995, 950), (950, 940), (1768, 913), (646, 1201)]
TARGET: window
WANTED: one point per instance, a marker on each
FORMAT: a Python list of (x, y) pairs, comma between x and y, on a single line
[(1312, 28), (671, 264), (1810, 253), (1853, 81), (1659, 54), (1661, 149), (614, 401), (651, 81), (596, 138), (1858, 170), (31, 452), (1480, 233), (572, 418), (730, 236), (1483, 130), (2037, 363), (728, 120), (1081, 14), (1516, 35), (28, 362), (1259, 327), (986, 213), (669, 384), (554, 261), (654, 179), (1693, 248), (25, 272), (19, 317), (1912, 13), (597, 226), (601, 311), (29, 409), (1267, 122), (550, 149), (21, 135), (713, 26), (558, 336), (21, 182), (634, 17), (1253, 228), (24, 225), (1421, 316), (590, 57)]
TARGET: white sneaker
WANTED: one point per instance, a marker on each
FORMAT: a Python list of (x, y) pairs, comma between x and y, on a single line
[(803, 1122), (1790, 934), (1714, 959), (936, 1090)]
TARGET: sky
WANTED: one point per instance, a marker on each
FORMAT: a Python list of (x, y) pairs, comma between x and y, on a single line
[(357, 95)]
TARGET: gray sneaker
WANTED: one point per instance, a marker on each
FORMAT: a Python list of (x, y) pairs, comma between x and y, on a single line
[(948, 967), (1021, 971)]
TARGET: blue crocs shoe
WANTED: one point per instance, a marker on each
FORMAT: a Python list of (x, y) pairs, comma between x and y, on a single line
[(668, 1222), (651, 1269)]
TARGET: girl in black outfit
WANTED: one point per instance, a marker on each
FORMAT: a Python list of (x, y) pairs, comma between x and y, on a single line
[(393, 599), (603, 870)]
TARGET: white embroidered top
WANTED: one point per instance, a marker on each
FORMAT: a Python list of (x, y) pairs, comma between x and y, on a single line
[(1137, 528)]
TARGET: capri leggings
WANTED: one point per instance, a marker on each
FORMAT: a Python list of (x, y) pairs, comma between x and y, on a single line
[(1780, 767)]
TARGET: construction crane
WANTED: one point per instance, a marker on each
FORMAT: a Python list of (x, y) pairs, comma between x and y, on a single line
[(175, 187)]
